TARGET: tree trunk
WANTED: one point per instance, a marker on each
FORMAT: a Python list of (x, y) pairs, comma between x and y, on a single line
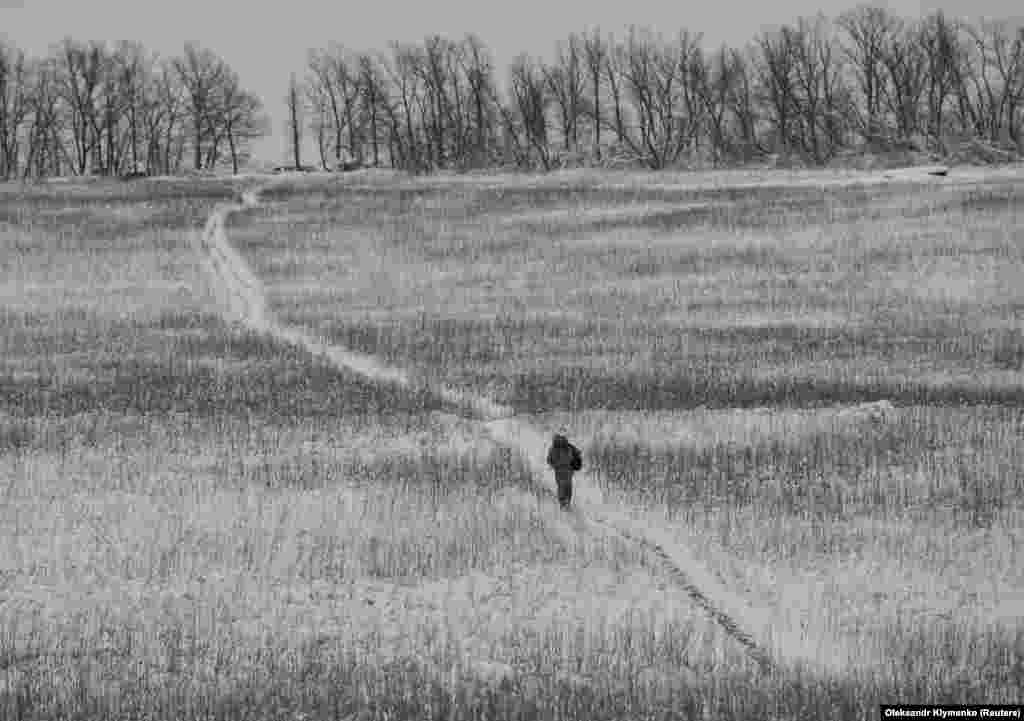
[(374, 138), (234, 150), (597, 115), (198, 141)]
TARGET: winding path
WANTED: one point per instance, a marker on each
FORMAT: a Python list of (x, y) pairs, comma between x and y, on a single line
[(241, 296)]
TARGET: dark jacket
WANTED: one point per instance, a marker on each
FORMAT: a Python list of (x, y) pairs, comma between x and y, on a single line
[(564, 457)]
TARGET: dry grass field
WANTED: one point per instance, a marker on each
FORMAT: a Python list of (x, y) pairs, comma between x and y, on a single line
[(202, 522)]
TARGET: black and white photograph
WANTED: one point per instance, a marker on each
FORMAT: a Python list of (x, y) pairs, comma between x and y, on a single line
[(524, 361)]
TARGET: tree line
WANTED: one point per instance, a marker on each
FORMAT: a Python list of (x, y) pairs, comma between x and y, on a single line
[(97, 108), (810, 90)]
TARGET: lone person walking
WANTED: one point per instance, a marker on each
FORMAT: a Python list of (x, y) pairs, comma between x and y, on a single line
[(565, 459)]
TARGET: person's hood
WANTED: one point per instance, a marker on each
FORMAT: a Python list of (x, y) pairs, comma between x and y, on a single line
[(559, 440)]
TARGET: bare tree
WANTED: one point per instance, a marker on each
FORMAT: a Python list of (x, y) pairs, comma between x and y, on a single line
[(595, 53), (659, 80), (564, 81), (150, 114), (742, 100), (997, 79), (870, 32), (440, 102), (943, 52), (614, 66), (817, 74), (201, 73), (394, 118), (531, 105), (715, 83), (318, 101), (434, 101), (342, 84), (906, 65), (112, 106), (132, 66), (44, 150), (163, 118), (1007, 47), (979, 88), (406, 80), (459, 124), (444, 112), (346, 79), (241, 115), (691, 65), (371, 83), (88, 107), (15, 98), (779, 82), (294, 102), (82, 66), (339, 86), (479, 71)]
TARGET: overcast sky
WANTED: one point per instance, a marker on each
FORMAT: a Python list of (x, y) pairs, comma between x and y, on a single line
[(266, 41)]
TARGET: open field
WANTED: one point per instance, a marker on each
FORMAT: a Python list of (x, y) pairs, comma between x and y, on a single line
[(201, 521)]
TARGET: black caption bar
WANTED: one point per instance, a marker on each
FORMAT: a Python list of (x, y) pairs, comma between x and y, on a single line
[(947, 711)]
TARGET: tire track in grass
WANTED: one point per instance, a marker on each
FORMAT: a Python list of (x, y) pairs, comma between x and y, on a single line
[(241, 294)]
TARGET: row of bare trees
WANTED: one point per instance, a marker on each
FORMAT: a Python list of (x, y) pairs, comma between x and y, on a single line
[(111, 110), (810, 89), (425, 106)]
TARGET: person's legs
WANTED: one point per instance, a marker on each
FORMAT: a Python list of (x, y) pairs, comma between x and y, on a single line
[(564, 489)]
